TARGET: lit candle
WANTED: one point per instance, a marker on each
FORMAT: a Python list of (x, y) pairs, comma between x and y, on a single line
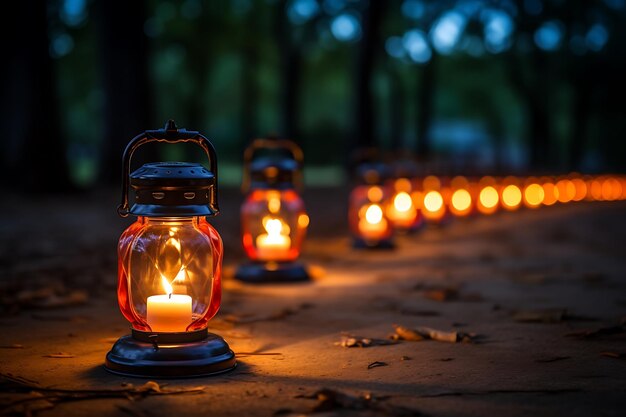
[(402, 212), (169, 312), (272, 246), (373, 225)]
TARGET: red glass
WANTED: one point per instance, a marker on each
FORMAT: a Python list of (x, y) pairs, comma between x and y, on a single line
[(274, 224), (366, 214), (161, 256)]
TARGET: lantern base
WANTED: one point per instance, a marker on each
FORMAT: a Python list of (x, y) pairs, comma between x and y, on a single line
[(272, 272), (170, 355), (360, 243)]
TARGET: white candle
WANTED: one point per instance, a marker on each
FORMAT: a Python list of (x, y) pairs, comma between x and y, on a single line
[(272, 246), (169, 312)]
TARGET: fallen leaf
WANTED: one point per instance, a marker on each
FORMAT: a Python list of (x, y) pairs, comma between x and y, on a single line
[(614, 355), (377, 364), (553, 315), (540, 316), (13, 346), (59, 355), (54, 396), (405, 358), (552, 359), (597, 333), (426, 333), (350, 341), (329, 400), (446, 359)]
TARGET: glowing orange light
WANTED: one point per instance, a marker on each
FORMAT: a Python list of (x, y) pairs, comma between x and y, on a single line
[(375, 194), (461, 202), (581, 189), (433, 208), (488, 200), (596, 190), (607, 189), (551, 194), (533, 195), (511, 197), (372, 223), (567, 191), (433, 201)]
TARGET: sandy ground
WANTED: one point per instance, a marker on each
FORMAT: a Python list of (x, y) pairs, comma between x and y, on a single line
[(500, 274)]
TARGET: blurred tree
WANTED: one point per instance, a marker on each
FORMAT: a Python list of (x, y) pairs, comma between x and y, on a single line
[(128, 100), (34, 152)]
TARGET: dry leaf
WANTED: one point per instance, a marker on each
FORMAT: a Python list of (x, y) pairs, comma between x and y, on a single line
[(614, 355), (425, 333), (353, 341), (596, 333), (329, 400), (59, 355), (13, 346), (377, 364), (552, 359)]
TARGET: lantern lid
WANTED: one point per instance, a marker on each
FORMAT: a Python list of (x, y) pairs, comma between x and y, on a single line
[(172, 189), (273, 172)]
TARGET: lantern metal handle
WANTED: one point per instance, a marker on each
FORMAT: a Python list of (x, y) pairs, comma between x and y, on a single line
[(271, 143), (169, 134)]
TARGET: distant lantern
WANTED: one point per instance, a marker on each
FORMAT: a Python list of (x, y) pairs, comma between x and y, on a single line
[(402, 210), (273, 218), (488, 196), (510, 194), (460, 199), (369, 224), (550, 191), (433, 205), (533, 193), (170, 262)]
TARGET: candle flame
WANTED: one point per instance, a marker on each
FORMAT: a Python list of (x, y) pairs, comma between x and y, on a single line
[(374, 214), (461, 199), (402, 202), (433, 201), (489, 197), (166, 286)]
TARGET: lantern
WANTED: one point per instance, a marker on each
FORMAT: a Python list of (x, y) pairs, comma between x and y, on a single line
[(488, 196), (433, 200), (460, 202), (533, 193), (511, 194), (369, 225), (402, 209), (273, 218), (169, 266)]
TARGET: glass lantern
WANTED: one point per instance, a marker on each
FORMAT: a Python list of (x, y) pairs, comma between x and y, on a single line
[(273, 218), (369, 224), (402, 210), (169, 266)]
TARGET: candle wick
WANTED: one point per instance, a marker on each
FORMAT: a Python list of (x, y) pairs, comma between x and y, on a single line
[(170, 296)]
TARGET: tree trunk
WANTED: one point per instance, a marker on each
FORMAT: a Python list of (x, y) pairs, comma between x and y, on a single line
[(396, 110), (34, 149), (290, 66), (425, 103), (364, 121), (125, 81)]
